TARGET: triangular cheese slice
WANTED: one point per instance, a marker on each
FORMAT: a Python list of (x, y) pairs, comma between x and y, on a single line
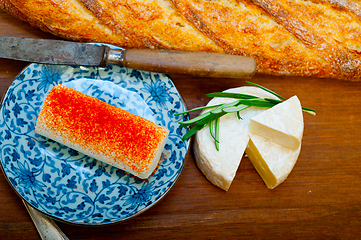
[(275, 141), (272, 161), (282, 124)]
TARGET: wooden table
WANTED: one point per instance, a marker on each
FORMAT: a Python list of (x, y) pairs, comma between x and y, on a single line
[(319, 200)]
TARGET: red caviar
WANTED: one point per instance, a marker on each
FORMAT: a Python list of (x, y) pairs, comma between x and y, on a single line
[(100, 128)]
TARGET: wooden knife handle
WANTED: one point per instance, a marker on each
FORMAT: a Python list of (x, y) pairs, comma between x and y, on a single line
[(201, 64)]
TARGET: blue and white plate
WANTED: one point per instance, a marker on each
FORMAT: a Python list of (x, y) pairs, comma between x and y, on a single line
[(73, 187)]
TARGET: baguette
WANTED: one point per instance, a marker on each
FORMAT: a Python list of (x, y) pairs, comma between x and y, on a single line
[(318, 38)]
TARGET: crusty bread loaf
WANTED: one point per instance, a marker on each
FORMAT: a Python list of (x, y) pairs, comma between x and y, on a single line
[(320, 38)]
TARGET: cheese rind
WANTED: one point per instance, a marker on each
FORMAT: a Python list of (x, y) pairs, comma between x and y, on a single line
[(220, 167), (282, 124), (102, 131)]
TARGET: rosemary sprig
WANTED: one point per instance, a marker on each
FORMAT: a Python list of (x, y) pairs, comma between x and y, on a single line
[(217, 111), (266, 89)]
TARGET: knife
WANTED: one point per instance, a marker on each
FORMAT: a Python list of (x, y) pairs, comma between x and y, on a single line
[(195, 63), (46, 227)]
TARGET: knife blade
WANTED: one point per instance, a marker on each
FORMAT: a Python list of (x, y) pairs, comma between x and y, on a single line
[(61, 52)]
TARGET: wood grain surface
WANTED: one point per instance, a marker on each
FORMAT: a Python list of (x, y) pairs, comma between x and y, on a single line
[(319, 200)]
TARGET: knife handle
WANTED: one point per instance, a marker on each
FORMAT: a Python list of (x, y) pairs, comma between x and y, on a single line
[(46, 227), (200, 64)]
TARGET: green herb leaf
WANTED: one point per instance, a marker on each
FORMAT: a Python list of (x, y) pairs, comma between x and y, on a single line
[(212, 130), (266, 89), (211, 118), (217, 134), (235, 109), (196, 109), (194, 120), (192, 131), (231, 95), (239, 115)]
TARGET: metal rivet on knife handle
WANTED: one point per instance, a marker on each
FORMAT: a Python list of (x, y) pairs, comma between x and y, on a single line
[(113, 56)]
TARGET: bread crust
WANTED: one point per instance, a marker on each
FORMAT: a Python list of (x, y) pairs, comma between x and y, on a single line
[(319, 38)]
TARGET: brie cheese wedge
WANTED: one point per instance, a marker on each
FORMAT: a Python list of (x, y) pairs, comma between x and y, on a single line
[(220, 167), (275, 141), (272, 161), (271, 138)]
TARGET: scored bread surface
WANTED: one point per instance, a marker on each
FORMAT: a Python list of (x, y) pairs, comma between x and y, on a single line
[(320, 38), (102, 131)]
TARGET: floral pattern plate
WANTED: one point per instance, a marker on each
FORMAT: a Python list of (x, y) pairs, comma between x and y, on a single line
[(70, 186)]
